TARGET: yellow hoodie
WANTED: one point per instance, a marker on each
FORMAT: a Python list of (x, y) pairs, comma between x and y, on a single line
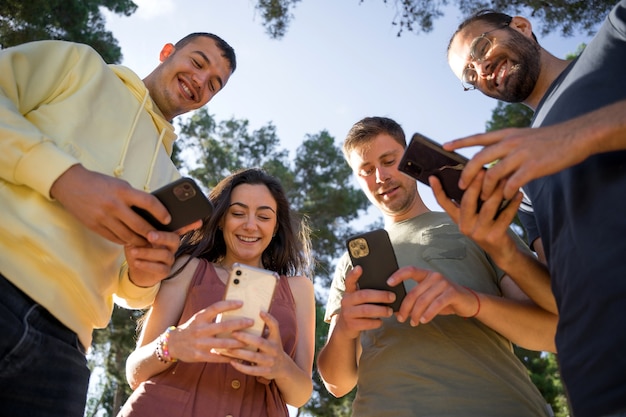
[(60, 105)]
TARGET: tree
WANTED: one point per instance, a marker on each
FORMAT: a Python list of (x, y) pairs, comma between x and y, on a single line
[(419, 15), (70, 20)]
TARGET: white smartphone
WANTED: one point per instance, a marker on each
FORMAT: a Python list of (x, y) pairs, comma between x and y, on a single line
[(255, 287)]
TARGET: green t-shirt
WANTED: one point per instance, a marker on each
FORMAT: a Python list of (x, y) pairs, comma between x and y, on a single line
[(450, 367)]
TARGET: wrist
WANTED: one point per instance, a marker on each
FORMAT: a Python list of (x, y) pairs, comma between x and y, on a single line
[(162, 350), (477, 300)]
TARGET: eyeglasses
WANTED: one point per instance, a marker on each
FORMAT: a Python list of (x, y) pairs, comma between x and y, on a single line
[(479, 48)]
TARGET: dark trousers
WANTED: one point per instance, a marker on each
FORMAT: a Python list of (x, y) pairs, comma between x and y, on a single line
[(43, 368)]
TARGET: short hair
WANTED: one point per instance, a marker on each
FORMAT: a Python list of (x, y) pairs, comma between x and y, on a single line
[(363, 131), (227, 51), (289, 252), (491, 17)]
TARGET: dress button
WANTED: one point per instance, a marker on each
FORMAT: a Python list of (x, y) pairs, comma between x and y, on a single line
[(235, 384)]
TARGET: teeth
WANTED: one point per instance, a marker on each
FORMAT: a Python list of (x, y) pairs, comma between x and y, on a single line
[(248, 239), (500, 75), (187, 90)]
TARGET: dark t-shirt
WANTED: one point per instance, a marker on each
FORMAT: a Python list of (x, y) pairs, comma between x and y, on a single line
[(580, 214)]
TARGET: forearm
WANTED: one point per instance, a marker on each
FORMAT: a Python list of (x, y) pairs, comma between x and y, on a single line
[(603, 130), (531, 276), (337, 363), (294, 383), (143, 363), (523, 323)]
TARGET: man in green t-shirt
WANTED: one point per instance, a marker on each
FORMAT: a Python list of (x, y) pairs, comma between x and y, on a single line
[(448, 350)]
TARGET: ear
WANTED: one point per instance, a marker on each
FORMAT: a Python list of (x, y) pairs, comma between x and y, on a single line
[(167, 50), (522, 25)]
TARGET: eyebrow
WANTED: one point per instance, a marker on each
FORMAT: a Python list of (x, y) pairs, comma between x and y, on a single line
[(237, 203), (391, 153), (208, 62)]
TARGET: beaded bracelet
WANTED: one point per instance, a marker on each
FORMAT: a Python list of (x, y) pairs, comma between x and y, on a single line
[(162, 350), (477, 299)]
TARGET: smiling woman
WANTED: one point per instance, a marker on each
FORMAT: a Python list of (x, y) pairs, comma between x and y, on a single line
[(183, 349)]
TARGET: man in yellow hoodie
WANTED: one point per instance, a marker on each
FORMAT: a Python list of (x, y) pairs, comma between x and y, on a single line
[(83, 142)]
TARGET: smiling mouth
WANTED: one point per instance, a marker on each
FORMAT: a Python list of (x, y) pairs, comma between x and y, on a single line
[(187, 90), (496, 77), (248, 239), (384, 193)]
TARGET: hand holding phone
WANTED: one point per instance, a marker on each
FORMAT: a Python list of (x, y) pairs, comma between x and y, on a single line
[(255, 287), (424, 157), (185, 202), (374, 253)]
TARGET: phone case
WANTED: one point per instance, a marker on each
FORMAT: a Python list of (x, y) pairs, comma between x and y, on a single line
[(255, 287), (185, 202), (423, 157), (374, 253)]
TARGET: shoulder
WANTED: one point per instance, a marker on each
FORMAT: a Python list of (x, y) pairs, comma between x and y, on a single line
[(300, 286), (181, 279)]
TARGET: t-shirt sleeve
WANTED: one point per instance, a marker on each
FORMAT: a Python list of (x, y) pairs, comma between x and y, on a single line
[(337, 287)]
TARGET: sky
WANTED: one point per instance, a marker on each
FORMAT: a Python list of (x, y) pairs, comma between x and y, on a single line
[(340, 61)]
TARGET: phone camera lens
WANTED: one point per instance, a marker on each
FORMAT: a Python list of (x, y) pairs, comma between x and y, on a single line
[(238, 272), (236, 281)]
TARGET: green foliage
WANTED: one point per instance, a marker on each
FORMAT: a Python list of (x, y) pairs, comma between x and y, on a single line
[(419, 16), (276, 16), (509, 115), (71, 20), (323, 404), (110, 348), (544, 372)]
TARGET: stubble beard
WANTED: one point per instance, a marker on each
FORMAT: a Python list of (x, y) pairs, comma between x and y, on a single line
[(524, 73)]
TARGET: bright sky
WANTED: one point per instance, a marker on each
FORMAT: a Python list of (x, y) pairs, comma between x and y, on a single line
[(339, 62)]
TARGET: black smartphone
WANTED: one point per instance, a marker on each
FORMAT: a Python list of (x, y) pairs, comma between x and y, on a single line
[(185, 202), (424, 157), (374, 253)]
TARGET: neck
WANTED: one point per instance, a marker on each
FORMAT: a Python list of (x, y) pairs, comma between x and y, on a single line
[(416, 208), (551, 68), (227, 263)]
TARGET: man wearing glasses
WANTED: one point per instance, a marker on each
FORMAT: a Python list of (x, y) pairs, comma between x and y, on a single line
[(572, 165)]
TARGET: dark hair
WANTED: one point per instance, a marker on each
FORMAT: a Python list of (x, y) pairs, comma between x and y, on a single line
[(227, 51), (289, 252), (489, 16), (366, 129)]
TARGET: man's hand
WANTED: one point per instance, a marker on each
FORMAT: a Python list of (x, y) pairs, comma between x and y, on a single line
[(103, 204), (522, 155), (435, 295), (358, 309), (484, 228)]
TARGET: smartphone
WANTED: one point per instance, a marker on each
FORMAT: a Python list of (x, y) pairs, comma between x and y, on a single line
[(185, 202), (255, 287), (374, 253), (424, 157)]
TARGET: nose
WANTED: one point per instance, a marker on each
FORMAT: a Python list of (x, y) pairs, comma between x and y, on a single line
[(382, 174), (250, 223), (483, 68)]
